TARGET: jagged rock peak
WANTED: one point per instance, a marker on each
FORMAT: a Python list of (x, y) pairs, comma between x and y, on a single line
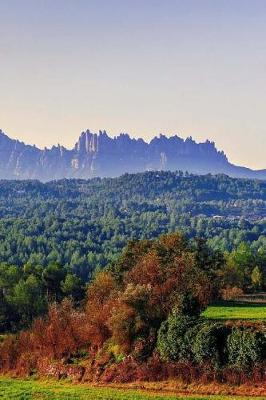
[(98, 154), (2, 134)]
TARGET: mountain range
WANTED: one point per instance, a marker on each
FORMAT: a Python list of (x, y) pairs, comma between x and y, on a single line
[(99, 155)]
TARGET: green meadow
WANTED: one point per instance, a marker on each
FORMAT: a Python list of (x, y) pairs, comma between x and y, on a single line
[(235, 310), (18, 389)]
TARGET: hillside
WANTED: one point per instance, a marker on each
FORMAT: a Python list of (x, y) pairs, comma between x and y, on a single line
[(85, 224), (98, 155)]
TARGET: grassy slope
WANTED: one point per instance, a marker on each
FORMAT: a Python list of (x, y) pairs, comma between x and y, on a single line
[(51, 390), (236, 310)]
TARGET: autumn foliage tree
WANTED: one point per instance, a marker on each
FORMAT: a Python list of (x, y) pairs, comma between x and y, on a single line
[(62, 333), (101, 300), (128, 303)]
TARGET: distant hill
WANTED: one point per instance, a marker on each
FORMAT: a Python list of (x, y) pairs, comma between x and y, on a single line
[(84, 224), (98, 155)]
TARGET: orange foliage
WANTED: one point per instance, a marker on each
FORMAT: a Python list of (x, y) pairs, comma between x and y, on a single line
[(231, 293), (170, 270), (61, 334), (130, 318), (8, 353), (101, 300)]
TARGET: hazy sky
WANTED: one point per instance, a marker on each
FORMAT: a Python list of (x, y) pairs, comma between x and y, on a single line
[(139, 66)]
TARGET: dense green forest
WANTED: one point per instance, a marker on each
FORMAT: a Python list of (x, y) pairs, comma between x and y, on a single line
[(83, 225), (55, 236)]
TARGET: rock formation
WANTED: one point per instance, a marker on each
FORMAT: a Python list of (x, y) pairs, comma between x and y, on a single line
[(98, 155)]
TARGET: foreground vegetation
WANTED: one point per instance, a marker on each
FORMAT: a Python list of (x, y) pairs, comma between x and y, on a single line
[(74, 305), (141, 321), (26, 292), (30, 390)]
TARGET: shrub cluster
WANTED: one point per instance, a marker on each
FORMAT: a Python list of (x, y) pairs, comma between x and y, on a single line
[(182, 338)]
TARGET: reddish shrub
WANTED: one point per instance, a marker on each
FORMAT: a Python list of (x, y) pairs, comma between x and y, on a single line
[(61, 334), (231, 293), (9, 353)]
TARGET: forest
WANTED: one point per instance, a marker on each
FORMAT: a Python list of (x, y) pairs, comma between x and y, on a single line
[(85, 224), (55, 237)]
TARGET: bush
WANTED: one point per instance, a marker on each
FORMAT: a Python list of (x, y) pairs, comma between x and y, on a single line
[(172, 342), (245, 347), (231, 293), (189, 304), (209, 343), (144, 347), (9, 353)]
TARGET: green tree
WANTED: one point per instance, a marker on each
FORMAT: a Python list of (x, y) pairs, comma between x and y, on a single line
[(73, 286), (27, 299), (257, 278), (52, 277), (172, 342)]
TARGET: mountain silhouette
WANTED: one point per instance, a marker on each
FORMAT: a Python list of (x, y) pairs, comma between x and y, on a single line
[(99, 155)]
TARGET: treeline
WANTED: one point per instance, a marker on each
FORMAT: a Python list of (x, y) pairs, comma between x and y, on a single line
[(25, 293), (141, 320), (83, 225)]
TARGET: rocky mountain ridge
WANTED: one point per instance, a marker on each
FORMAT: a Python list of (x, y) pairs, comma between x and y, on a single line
[(97, 154)]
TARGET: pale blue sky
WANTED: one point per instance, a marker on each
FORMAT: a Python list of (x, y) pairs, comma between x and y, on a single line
[(143, 67)]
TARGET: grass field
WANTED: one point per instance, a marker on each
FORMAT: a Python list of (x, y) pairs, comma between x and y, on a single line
[(18, 389), (236, 310)]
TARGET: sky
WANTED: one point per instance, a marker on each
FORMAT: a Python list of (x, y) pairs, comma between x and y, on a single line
[(188, 67)]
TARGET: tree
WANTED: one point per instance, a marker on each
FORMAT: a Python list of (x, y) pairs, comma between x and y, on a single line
[(52, 277), (101, 299), (257, 278), (73, 286), (27, 299), (172, 342), (243, 259), (132, 317)]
